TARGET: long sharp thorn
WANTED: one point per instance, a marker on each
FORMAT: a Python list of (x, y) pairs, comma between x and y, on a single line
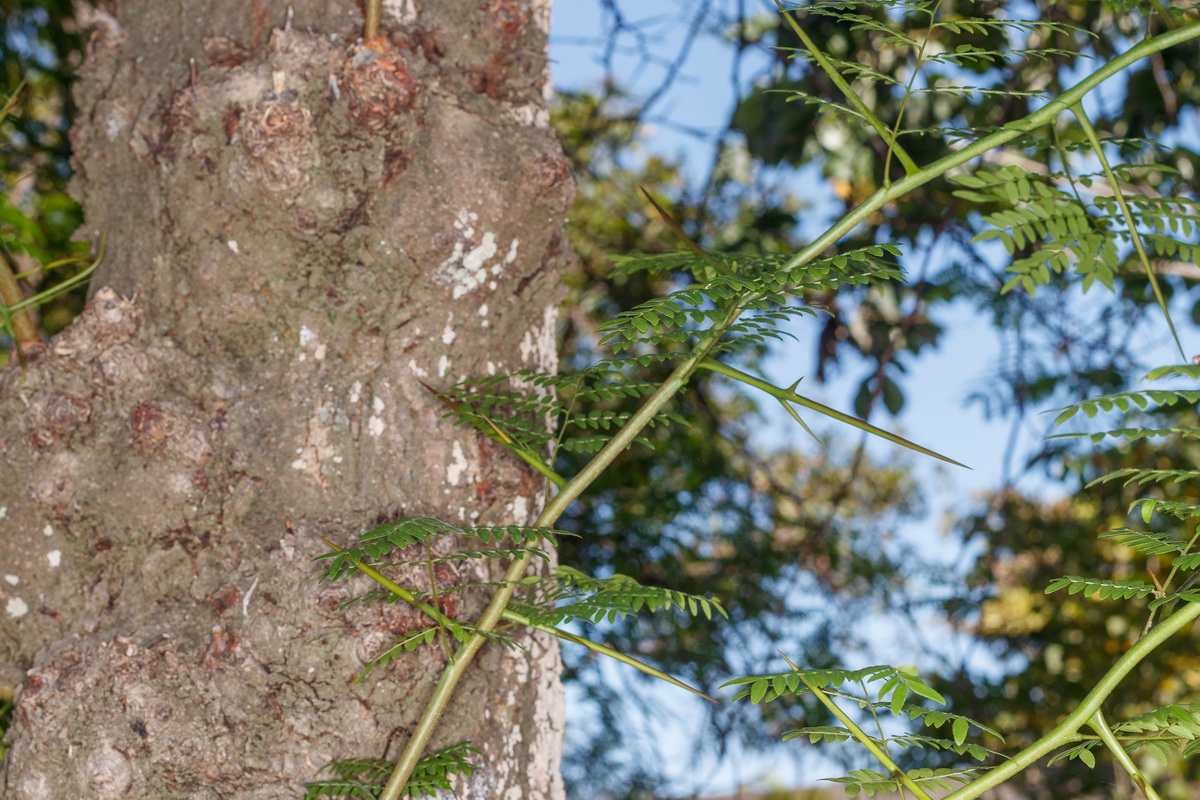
[(788, 408)]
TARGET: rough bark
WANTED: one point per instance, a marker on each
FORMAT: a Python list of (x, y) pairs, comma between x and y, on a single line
[(299, 228)]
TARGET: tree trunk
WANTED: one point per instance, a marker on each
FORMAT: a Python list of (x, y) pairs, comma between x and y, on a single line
[(300, 229)]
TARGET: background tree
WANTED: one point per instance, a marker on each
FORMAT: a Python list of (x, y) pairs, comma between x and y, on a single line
[(300, 226)]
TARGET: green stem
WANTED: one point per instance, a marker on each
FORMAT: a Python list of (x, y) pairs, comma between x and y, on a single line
[(789, 396), (1084, 712), (604, 650), (1130, 222), (866, 740), (494, 612), (1012, 130), (908, 90), (1100, 725), (509, 615), (830, 70)]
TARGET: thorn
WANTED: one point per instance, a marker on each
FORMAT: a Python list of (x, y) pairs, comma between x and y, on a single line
[(788, 408), (1157, 585)]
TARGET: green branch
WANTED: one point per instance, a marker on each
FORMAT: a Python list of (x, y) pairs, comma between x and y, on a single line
[(509, 615), (786, 396), (494, 612), (1100, 725), (1084, 712), (830, 70), (1011, 131), (1130, 222)]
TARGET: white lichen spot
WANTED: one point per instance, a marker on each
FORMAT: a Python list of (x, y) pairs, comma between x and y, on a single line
[(466, 268), (319, 353), (375, 424), (306, 336), (3, 512), (512, 252), (520, 510), (443, 365), (491, 368), (249, 594), (479, 256), (11, 580), (54, 557), (530, 115), (418, 371), (483, 310), (537, 346), (455, 470), (114, 125), (233, 245), (465, 222), (355, 391), (48, 531), (300, 463), (448, 334), (16, 607), (338, 459)]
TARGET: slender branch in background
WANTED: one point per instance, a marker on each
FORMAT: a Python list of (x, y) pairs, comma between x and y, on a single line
[(1130, 221), (827, 66), (24, 332), (371, 22)]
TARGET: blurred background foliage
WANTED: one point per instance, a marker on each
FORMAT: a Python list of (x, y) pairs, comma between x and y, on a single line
[(803, 542), (39, 49)]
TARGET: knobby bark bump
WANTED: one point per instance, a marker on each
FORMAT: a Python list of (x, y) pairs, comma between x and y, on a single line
[(300, 228)]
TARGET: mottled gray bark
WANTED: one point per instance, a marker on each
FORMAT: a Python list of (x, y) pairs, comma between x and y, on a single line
[(299, 228)]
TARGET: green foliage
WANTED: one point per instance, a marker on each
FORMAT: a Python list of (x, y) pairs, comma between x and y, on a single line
[(364, 777), (401, 534), (698, 313), (1164, 732), (1101, 588), (539, 409), (568, 595), (898, 682), (868, 782)]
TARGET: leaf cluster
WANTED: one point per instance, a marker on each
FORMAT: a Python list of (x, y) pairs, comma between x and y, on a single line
[(568, 595), (407, 532), (1184, 556), (899, 684), (364, 778), (1053, 223), (759, 286)]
